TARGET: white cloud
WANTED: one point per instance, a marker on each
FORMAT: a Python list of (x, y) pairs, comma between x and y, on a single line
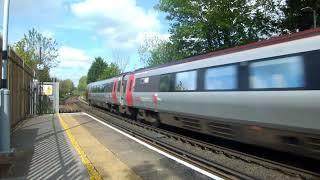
[(68, 73), (48, 33), (74, 63), (120, 22), (73, 57)]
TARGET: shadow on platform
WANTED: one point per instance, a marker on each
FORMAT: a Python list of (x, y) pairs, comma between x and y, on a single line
[(42, 151)]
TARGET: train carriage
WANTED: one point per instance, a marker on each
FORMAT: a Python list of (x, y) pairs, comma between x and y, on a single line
[(263, 93)]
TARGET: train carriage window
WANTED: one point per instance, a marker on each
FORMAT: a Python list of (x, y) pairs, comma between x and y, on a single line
[(186, 81), (221, 78), (144, 80), (104, 87), (147, 84), (110, 87), (118, 86), (285, 72), (107, 87), (124, 83), (165, 82)]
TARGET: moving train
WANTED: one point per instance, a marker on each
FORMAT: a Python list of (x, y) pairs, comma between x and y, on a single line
[(265, 93)]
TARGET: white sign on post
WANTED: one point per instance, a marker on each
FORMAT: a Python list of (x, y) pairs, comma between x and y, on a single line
[(40, 66)]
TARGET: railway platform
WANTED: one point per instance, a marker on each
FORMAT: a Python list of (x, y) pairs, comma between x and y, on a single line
[(117, 155), (80, 146), (42, 151)]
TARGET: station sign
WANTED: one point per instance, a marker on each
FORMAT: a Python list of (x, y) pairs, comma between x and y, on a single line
[(40, 67)]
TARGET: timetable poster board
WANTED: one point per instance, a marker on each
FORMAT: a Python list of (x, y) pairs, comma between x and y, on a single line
[(45, 90)]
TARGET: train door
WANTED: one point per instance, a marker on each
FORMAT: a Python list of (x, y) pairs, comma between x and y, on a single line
[(122, 90), (114, 93), (119, 91), (129, 95)]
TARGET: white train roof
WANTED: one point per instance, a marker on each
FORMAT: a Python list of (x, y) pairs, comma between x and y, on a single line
[(309, 43), (294, 43)]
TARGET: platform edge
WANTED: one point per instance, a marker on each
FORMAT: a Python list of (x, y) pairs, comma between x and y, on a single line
[(92, 171)]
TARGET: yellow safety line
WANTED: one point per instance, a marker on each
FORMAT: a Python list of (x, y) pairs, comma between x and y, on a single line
[(93, 173)]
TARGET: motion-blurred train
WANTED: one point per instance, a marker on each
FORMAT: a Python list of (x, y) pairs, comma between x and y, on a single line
[(265, 93)]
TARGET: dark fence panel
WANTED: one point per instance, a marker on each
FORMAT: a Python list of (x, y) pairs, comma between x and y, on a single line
[(20, 78)]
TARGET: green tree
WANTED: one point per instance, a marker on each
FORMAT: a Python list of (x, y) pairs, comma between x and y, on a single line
[(110, 71), (96, 69), (34, 48), (66, 88), (44, 75), (120, 60), (201, 26), (156, 50), (82, 85), (297, 19), (101, 70)]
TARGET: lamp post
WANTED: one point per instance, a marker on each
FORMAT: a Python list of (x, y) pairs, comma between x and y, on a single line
[(5, 112), (40, 70), (314, 15)]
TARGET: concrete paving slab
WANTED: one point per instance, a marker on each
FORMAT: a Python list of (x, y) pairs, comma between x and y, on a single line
[(107, 164), (42, 151), (145, 163)]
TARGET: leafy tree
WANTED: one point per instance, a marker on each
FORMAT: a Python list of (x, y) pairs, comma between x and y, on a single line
[(156, 50), (110, 71), (201, 26), (120, 60), (27, 54), (44, 75), (144, 51), (34, 48), (66, 88), (101, 70), (82, 84), (296, 18), (96, 69)]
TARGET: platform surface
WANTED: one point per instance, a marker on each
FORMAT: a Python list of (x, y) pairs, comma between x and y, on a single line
[(116, 156), (42, 151), (77, 146)]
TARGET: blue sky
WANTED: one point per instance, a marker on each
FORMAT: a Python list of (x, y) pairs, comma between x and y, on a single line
[(88, 28)]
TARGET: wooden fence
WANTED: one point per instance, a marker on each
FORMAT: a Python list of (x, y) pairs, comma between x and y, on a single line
[(20, 79)]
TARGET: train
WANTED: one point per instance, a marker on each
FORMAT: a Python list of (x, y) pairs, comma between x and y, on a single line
[(265, 93)]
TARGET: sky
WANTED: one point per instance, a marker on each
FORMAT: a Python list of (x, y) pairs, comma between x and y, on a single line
[(85, 29)]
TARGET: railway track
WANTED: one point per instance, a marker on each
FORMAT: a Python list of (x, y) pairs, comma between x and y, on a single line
[(223, 162)]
